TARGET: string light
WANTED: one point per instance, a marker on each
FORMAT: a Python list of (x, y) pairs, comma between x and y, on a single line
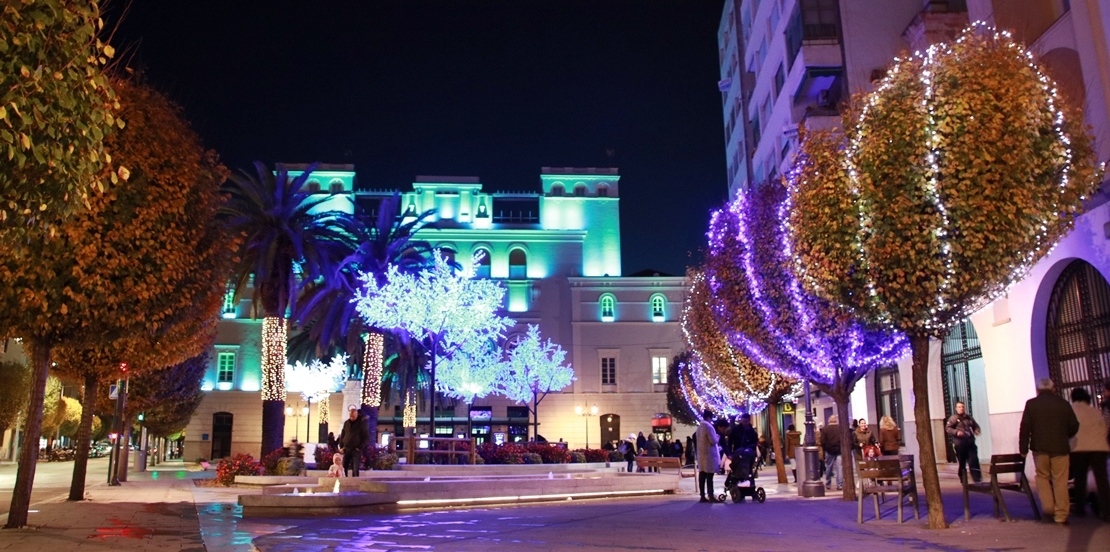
[(274, 332), (372, 360), (535, 367), (472, 371), (324, 411), (408, 419)]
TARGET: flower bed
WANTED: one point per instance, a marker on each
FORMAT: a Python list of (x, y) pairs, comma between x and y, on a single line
[(240, 464)]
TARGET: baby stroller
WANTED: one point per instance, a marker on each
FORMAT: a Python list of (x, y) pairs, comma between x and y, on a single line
[(742, 469)]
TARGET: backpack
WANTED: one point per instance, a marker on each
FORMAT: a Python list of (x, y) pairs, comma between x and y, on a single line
[(623, 448)]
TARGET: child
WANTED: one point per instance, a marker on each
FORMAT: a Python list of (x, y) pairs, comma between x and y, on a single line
[(336, 469)]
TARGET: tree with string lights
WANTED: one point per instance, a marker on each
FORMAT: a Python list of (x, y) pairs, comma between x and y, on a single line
[(316, 382), (958, 173), (736, 378), (438, 308), (535, 368), (761, 306)]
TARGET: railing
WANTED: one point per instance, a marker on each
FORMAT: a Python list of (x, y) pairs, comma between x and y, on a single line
[(410, 447)]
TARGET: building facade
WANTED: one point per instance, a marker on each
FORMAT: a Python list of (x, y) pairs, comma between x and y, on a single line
[(1055, 322), (557, 253)]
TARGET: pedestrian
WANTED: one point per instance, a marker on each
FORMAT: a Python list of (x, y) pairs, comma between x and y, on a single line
[(652, 449), (676, 449), (742, 436), (793, 441), (830, 443), (333, 444), (352, 439), (963, 429), (641, 442), (709, 456), (690, 449), (890, 437), (863, 438), (628, 449), (1046, 425), (1089, 450), (608, 446), (336, 468)]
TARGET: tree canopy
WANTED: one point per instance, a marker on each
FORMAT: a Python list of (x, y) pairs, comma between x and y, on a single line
[(15, 379)]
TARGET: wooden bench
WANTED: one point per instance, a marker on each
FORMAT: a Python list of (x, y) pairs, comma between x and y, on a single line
[(1001, 463), (645, 462), (891, 475)]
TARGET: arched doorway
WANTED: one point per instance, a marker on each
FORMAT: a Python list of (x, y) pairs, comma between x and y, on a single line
[(963, 380), (221, 435), (1077, 336), (610, 428)]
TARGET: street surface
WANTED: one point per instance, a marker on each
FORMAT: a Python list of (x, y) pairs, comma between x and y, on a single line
[(51, 480)]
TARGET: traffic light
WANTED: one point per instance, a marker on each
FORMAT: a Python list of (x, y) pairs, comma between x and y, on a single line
[(123, 367), (141, 416)]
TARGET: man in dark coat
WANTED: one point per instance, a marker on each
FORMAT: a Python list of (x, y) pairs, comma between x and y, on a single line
[(830, 443), (354, 437), (1046, 425), (963, 429)]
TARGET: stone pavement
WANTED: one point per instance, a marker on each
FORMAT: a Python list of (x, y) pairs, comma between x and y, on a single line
[(163, 510)]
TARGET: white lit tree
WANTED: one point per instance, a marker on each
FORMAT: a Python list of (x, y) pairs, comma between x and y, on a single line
[(316, 381), (535, 368), (439, 308), (472, 371)]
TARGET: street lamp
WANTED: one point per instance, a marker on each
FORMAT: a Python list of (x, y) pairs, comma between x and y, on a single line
[(307, 413), (812, 486), (583, 411)]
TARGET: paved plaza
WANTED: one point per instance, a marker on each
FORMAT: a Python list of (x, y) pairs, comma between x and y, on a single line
[(164, 510)]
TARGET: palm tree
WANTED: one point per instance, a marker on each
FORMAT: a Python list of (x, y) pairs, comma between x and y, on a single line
[(328, 315), (284, 241)]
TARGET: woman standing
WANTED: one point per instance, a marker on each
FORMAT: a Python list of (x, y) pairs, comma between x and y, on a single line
[(709, 456), (863, 436), (890, 437)]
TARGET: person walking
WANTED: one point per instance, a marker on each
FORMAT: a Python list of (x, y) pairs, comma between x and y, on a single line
[(628, 449), (963, 429), (890, 436), (676, 449), (793, 441), (830, 443), (690, 449), (1046, 425), (352, 439), (709, 456), (1089, 450)]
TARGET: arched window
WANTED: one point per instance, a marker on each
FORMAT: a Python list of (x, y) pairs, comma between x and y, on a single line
[(482, 270), (557, 190), (336, 186), (448, 254), (658, 308), (1078, 333), (608, 305), (518, 264), (313, 187), (960, 347), (602, 191), (579, 190)]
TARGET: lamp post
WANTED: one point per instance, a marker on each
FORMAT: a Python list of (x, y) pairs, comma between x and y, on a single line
[(812, 486), (583, 411), (289, 413), (307, 412)]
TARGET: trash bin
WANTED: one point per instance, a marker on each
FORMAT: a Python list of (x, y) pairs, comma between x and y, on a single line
[(140, 460)]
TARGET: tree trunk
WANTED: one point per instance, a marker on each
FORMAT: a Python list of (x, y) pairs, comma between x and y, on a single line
[(371, 414), (927, 454), (432, 389), (372, 381), (125, 452), (535, 418), (29, 453), (776, 440), (847, 459), (84, 436), (273, 383)]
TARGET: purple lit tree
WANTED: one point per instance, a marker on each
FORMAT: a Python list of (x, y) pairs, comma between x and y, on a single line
[(766, 313)]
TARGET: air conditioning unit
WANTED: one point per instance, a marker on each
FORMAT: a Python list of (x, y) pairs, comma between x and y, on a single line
[(824, 98)]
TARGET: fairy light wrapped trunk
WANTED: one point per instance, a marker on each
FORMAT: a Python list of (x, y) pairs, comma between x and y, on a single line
[(957, 174), (762, 308), (727, 381)]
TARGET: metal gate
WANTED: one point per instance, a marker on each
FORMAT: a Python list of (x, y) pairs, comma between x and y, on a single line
[(959, 348), (1078, 332)]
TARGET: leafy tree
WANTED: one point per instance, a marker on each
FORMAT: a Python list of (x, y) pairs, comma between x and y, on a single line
[(472, 371), (14, 383), (56, 107), (439, 308), (677, 405), (53, 410), (170, 415), (760, 305), (169, 256), (745, 382), (328, 314), (956, 175), (72, 420), (317, 381), (284, 240), (535, 369)]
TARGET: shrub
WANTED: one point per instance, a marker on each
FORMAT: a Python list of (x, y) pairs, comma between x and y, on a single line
[(323, 458), (551, 453), (577, 457), (616, 456), (290, 466), (423, 458), (597, 455), (270, 461), (385, 461), (531, 458), (240, 464)]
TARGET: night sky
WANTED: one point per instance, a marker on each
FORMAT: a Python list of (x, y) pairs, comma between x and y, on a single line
[(489, 88)]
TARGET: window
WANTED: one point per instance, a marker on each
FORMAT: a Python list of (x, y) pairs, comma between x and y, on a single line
[(888, 395), (579, 190), (658, 307), (1077, 336), (448, 254), (658, 369), (608, 371), (518, 264), (445, 430), (602, 191), (225, 370), (820, 19), (517, 412), (557, 190), (482, 270), (336, 186), (608, 306), (780, 80), (229, 301), (312, 187)]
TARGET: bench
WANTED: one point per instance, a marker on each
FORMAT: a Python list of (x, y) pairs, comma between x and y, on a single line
[(891, 475), (645, 462), (1001, 463)]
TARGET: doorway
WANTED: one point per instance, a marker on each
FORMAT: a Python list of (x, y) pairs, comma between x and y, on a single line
[(964, 380), (221, 435)]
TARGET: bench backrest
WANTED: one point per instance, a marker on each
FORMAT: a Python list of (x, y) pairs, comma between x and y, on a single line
[(1007, 463), (662, 461), (880, 469)]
